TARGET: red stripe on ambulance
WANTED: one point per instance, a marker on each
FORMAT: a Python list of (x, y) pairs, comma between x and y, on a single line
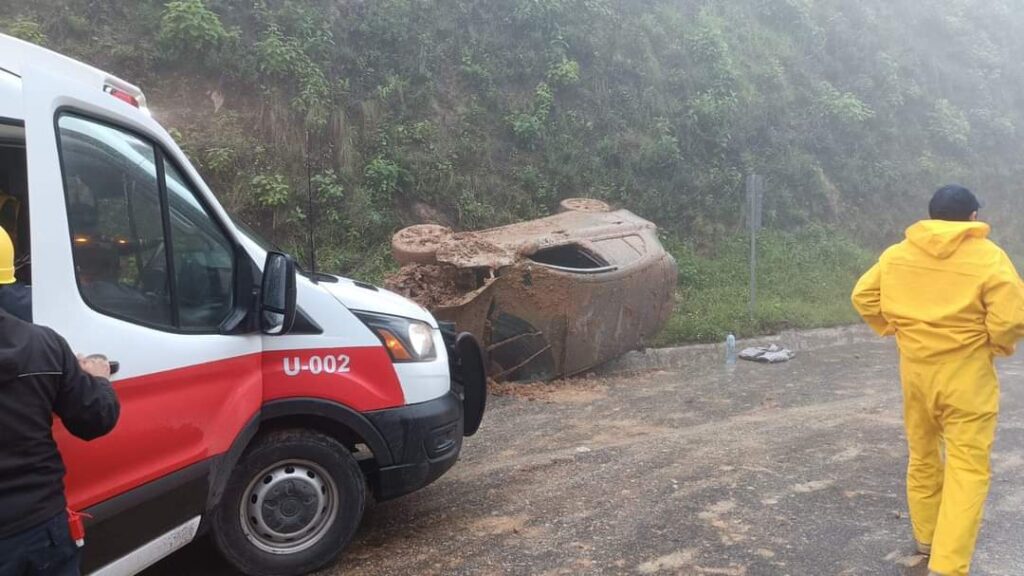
[(169, 420), (176, 418), (362, 378)]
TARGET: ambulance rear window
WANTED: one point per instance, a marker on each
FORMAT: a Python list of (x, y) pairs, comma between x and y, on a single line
[(14, 194)]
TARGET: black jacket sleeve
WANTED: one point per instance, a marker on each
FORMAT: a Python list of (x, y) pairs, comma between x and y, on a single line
[(86, 404)]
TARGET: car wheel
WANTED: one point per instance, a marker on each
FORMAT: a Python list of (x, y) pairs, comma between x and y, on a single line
[(292, 504), (418, 244), (583, 205)]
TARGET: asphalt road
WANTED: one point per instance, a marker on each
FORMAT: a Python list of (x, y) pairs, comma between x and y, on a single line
[(783, 470)]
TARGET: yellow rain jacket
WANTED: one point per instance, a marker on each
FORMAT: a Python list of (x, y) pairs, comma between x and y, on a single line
[(953, 300), (945, 292)]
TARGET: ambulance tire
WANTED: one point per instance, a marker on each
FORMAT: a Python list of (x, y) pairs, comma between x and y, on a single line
[(269, 460)]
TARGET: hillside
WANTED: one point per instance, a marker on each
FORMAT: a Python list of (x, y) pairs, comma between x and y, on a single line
[(476, 113)]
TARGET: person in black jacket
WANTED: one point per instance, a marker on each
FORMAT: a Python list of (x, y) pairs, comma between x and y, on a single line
[(16, 300), (40, 376)]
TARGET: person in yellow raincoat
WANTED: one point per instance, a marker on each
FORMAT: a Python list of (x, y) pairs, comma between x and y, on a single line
[(954, 301)]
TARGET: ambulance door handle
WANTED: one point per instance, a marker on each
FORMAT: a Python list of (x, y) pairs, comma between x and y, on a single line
[(114, 364)]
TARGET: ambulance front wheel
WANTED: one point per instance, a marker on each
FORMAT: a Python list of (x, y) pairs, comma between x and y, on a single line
[(293, 503)]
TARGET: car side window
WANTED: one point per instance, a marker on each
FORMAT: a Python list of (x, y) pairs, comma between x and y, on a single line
[(203, 258), (113, 202)]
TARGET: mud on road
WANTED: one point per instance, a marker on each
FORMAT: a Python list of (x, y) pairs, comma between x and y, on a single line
[(794, 469)]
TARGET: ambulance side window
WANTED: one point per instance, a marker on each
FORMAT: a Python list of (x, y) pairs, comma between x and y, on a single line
[(145, 248), (114, 212), (203, 258)]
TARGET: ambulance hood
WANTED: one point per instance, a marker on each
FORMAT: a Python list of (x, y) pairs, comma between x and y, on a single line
[(356, 295), (351, 294)]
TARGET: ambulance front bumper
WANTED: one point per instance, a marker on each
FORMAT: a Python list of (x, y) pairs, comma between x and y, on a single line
[(424, 439)]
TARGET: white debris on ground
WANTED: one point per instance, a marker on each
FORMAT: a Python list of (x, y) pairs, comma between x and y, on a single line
[(773, 354)]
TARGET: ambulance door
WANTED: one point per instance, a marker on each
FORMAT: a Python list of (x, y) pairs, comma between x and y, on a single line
[(132, 258)]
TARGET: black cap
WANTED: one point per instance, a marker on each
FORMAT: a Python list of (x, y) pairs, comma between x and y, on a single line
[(954, 203)]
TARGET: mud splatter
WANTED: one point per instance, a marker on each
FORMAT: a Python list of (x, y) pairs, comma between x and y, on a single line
[(911, 561), (730, 571), (497, 525), (673, 561), (429, 285), (812, 486), (846, 455), (574, 391), (469, 250), (730, 530)]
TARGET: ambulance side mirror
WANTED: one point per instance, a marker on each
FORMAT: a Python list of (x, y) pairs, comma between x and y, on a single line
[(277, 294)]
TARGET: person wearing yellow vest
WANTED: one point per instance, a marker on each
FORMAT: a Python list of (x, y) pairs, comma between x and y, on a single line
[(15, 297), (954, 301)]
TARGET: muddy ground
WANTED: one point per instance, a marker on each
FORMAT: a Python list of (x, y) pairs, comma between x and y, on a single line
[(794, 469)]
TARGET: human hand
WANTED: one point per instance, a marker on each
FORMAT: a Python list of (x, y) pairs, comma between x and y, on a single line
[(96, 365)]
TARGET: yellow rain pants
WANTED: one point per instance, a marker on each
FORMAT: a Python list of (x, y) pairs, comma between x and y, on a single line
[(954, 301), (949, 411)]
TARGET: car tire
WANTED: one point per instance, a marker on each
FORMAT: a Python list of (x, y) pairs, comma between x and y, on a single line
[(418, 244), (583, 205), (292, 504)]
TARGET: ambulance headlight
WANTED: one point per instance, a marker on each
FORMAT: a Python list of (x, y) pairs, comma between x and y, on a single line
[(421, 336), (406, 340)]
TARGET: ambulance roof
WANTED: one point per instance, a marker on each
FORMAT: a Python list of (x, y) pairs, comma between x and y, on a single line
[(16, 56)]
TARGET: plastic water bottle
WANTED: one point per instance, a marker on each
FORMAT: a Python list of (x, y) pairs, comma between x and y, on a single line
[(730, 350)]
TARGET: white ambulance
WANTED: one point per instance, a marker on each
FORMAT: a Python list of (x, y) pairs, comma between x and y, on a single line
[(260, 405)]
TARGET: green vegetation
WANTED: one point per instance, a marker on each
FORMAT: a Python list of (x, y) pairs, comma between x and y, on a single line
[(804, 281), (483, 112)]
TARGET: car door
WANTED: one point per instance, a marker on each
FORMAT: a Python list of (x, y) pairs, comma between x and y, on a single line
[(131, 259)]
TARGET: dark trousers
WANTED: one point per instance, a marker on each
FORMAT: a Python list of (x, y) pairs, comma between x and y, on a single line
[(46, 550)]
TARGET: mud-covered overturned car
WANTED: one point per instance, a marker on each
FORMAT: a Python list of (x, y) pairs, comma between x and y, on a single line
[(551, 297)]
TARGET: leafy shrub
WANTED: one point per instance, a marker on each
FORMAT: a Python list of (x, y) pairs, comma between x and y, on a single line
[(270, 190), (662, 150), (277, 55), (26, 29), (528, 127), (474, 212), (219, 158), (283, 59), (542, 100), (188, 29), (475, 72), (949, 124), (843, 106), (382, 177), (564, 73), (328, 194)]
